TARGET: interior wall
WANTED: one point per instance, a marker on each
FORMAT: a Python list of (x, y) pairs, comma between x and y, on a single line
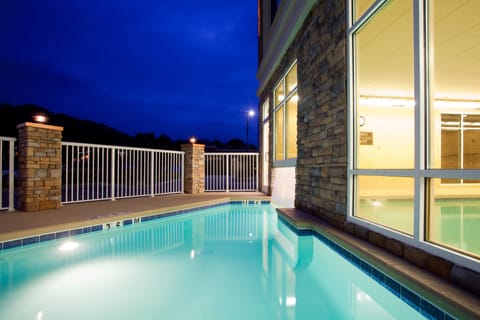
[(392, 143)]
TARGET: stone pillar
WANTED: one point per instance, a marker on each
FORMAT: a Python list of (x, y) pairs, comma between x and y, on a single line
[(194, 177), (39, 166)]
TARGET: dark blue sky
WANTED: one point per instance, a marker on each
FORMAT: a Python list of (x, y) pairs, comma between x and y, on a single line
[(176, 67)]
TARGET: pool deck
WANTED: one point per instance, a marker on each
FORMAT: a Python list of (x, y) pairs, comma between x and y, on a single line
[(16, 225), (19, 224)]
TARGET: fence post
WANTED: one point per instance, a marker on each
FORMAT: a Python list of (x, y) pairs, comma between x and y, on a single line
[(256, 173), (152, 173), (39, 166), (227, 173), (11, 169), (194, 176), (112, 174)]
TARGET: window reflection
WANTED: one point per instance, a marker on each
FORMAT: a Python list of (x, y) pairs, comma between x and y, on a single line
[(453, 221), (387, 201)]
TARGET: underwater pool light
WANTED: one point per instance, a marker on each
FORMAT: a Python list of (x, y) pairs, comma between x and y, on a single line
[(68, 246)]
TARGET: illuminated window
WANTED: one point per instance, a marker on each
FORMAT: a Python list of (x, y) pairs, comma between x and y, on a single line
[(360, 6), (265, 111), (384, 88), (392, 209), (384, 72), (285, 116), (454, 125), (415, 144)]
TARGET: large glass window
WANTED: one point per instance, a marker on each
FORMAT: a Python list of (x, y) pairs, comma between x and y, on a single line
[(416, 121), (384, 109), (285, 121), (385, 89), (387, 201), (454, 83), (454, 78)]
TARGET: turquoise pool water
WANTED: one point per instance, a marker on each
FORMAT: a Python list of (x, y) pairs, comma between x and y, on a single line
[(232, 261)]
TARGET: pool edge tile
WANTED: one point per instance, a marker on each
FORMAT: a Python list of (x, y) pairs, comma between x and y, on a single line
[(12, 244), (423, 306)]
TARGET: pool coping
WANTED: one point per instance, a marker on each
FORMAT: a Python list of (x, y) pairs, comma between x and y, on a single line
[(398, 274)]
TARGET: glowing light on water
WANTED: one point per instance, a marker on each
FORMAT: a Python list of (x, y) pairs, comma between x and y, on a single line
[(68, 246)]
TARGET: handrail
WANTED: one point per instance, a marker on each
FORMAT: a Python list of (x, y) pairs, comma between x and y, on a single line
[(7, 204), (231, 171), (92, 172)]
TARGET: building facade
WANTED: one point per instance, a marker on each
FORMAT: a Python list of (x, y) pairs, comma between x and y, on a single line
[(370, 119)]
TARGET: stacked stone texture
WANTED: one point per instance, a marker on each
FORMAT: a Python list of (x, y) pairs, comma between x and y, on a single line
[(39, 166), (194, 176)]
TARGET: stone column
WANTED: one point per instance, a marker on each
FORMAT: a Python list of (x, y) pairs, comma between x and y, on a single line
[(194, 177), (39, 166)]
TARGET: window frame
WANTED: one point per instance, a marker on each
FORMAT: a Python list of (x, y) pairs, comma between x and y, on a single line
[(423, 172), (462, 130), (282, 106)]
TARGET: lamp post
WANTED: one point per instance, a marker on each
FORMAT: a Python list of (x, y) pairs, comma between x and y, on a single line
[(250, 113)]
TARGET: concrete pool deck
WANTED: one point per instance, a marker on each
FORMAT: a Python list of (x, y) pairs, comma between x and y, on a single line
[(19, 224), (16, 224)]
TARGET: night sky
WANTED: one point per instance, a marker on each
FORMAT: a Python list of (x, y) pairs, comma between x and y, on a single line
[(181, 68)]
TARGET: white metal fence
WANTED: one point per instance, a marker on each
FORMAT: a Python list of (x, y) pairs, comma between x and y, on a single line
[(231, 172), (7, 168), (99, 172)]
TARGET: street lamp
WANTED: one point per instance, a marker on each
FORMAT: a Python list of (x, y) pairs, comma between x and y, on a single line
[(250, 113)]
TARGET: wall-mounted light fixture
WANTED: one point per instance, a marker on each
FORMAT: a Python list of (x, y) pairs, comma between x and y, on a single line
[(457, 104), (361, 121), (387, 101)]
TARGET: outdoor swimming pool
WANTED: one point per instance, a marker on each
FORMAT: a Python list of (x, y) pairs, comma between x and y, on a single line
[(232, 261)]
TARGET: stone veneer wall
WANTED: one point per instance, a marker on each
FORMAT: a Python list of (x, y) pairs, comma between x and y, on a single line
[(320, 50), (39, 166), (322, 113), (194, 175), (321, 174)]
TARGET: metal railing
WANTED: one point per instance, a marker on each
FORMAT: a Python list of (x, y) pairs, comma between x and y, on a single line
[(7, 168), (93, 172), (231, 171)]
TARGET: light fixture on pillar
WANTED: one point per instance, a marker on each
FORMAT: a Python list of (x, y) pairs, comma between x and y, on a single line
[(40, 117), (193, 140)]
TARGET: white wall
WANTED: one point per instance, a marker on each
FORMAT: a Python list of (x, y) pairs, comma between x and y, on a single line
[(283, 187)]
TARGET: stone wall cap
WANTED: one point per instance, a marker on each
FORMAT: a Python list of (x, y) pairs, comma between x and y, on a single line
[(196, 145), (39, 125)]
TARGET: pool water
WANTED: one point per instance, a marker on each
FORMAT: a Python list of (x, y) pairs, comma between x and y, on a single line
[(228, 262)]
